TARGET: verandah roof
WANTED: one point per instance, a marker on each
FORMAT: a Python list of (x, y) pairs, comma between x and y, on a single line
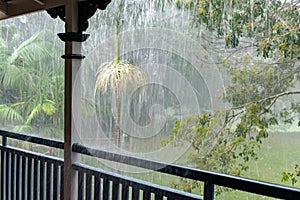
[(12, 8)]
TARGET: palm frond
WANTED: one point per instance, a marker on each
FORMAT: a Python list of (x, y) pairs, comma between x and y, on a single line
[(8, 113), (22, 47), (35, 52), (34, 112), (49, 107), (122, 75), (16, 78)]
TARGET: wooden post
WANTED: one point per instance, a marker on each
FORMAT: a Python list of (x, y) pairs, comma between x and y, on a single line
[(72, 100)]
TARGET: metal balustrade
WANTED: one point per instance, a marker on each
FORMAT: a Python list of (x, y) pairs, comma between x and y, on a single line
[(28, 175), (100, 184), (209, 178)]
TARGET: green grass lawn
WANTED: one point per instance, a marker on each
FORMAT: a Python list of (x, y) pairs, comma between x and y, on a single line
[(277, 154)]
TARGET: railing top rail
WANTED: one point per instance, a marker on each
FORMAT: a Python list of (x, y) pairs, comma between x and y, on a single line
[(33, 139), (150, 187), (33, 155), (244, 184)]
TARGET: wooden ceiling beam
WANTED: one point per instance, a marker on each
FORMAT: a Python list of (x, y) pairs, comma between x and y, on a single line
[(3, 7), (14, 8)]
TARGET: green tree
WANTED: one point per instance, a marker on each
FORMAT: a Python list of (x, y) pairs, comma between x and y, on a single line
[(31, 84), (273, 25), (118, 75), (260, 56)]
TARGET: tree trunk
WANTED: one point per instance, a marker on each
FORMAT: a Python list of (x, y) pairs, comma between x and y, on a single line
[(117, 117), (116, 43), (117, 101)]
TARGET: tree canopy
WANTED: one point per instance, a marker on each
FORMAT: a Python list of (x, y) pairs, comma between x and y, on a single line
[(31, 83), (260, 52), (273, 25)]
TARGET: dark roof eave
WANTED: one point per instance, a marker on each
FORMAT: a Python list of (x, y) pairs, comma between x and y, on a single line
[(13, 8)]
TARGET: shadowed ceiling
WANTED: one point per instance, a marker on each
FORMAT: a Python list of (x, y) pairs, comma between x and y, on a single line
[(11, 8)]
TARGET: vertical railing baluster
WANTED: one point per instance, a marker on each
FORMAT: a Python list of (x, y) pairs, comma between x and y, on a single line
[(42, 180), (18, 176), (24, 174), (80, 184), (49, 180), (2, 175), (208, 190), (55, 181), (146, 195), (106, 189), (97, 188), (29, 178), (125, 191), (62, 182), (135, 193), (4, 141), (115, 190), (2, 188), (7, 175), (35, 178), (88, 186), (12, 176), (159, 197)]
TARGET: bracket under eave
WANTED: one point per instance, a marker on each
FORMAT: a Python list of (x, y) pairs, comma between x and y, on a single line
[(86, 9), (3, 7)]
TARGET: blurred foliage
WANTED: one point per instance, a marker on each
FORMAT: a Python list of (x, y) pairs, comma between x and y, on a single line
[(262, 83), (253, 79), (291, 176), (220, 145), (274, 25), (31, 81)]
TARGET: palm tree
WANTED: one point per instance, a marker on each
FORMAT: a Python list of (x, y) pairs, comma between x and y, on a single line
[(118, 76), (30, 82)]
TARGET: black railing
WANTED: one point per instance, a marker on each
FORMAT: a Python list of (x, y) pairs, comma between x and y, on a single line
[(31, 175), (100, 184), (209, 178)]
